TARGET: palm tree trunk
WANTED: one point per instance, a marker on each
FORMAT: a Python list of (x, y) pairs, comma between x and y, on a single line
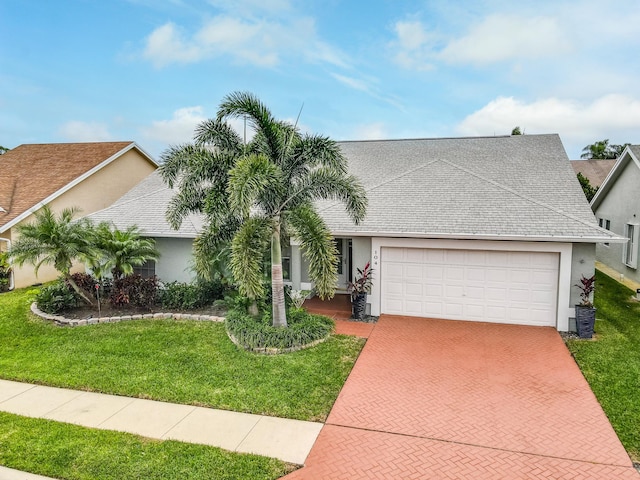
[(78, 290), (277, 282)]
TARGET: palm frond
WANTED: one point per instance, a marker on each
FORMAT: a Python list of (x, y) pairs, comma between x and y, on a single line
[(317, 247), (220, 134), (247, 255), (250, 177)]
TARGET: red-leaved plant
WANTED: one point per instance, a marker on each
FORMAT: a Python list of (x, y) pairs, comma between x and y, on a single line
[(586, 286), (362, 282)]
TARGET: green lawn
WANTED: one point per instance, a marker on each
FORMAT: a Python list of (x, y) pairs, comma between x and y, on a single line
[(611, 363), (182, 362), (67, 451)]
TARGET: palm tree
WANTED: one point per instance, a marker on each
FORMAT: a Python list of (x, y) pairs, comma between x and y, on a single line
[(119, 251), (599, 150), (256, 194), (56, 241)]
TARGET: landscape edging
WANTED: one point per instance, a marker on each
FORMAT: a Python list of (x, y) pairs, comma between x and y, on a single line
[(74, 322)]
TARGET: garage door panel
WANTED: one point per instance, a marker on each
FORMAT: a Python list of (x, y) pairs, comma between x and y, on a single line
[(492, 286), (475, 274)]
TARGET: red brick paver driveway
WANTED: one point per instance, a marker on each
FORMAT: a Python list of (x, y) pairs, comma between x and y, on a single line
[(438, 399)]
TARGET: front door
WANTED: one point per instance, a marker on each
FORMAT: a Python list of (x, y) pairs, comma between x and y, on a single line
[(342, 245)]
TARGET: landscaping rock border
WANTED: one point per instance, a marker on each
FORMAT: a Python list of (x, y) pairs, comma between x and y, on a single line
[(74, 322)]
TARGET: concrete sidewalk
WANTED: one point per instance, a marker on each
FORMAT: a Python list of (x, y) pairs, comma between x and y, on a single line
[(288, 440)]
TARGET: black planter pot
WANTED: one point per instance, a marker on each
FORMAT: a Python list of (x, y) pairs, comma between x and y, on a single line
[(585, 320), (358, 306)]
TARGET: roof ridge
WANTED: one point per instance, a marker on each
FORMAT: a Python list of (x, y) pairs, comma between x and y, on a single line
[(518, 194)]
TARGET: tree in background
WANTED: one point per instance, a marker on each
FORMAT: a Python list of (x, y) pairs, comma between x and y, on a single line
[(602, 150), (587, 188), (256, 194), (516, 131), (3, 149)]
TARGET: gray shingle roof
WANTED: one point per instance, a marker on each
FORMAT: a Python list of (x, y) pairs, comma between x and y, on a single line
[(488, 187), (145, 206), (513, 187)]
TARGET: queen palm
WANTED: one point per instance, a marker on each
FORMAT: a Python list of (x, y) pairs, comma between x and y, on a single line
[(56, 241), (256, 194)]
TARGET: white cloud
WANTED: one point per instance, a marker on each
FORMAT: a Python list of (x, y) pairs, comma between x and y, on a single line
[(256, 42), (165, 45), (77, 131), (616, 117), (508, 37), (495, 38), (178, 129), (368, 86)]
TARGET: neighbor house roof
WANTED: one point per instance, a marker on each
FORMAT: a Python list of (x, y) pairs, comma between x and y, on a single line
[(595, 170), (630, 154), (32, 175), (145, 205), (519, 187)]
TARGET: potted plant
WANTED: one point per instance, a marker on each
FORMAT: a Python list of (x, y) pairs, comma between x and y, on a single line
[(358, 289), (585, 312)]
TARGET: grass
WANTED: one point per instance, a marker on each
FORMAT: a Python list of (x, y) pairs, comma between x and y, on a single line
[(611, 364), (184, 362), (67, 451)]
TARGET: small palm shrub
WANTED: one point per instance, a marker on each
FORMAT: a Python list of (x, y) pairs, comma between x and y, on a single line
[(56, 297), (258, 334)]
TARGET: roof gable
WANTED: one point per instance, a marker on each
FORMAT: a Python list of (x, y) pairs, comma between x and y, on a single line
[(483, 187), (32, 175), (631, 154)]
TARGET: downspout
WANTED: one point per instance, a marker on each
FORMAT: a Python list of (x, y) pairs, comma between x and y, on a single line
[(11, 281)]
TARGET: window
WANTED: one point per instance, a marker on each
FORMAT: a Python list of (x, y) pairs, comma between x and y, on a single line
[(630, 250), (146, 270), (606, 224), (286, 263)]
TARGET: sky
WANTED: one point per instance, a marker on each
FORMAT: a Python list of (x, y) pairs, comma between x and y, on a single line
[(151, 70)]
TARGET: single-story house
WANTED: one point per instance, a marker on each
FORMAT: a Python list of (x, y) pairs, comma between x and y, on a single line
[(90, 176), (492, 229), (594, 170), (617, 208)]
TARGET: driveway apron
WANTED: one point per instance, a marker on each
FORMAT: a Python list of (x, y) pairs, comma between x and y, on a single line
[(450, 399)]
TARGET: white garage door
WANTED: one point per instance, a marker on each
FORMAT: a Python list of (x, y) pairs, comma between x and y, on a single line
[(487, 286)]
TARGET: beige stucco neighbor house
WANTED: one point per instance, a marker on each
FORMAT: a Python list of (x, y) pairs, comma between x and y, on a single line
[(490, 229), (90, 176)]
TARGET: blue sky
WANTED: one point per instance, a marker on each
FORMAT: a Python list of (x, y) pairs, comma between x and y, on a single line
[(150, 70)]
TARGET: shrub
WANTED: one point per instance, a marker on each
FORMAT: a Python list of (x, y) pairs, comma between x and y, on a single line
[(134, 290), (256, 334), (190, 295), (56, 297), (85, 282), (5, 271)]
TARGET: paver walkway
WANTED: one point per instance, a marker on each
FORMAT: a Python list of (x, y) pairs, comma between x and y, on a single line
[(288, 440), (446, 399)]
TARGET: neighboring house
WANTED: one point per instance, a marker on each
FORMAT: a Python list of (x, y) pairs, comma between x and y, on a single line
[(492, 229), (85, 175), (617, 208), (594, 170)]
